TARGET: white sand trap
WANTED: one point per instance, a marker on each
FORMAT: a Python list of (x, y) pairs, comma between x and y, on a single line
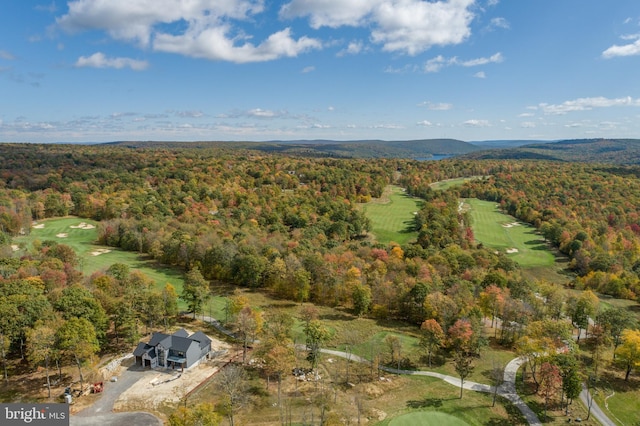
[(39, 226), (15, 247), (512, 250), (511, 225), (99, 252), (82, 225), (62, 235)]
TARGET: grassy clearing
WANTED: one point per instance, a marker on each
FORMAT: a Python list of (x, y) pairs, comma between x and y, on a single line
[(504, 233), (423, 396), (451, 183), (391, 216), (93, 257), (427, 418)]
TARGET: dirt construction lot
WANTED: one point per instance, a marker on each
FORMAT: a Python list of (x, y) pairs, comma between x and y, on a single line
[(168, 385), (139, 389)]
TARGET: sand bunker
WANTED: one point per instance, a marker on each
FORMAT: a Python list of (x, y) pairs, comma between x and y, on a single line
[(99, 252), (512, 250), (510, 225), (39, 226), (62, 235), (83, 225)]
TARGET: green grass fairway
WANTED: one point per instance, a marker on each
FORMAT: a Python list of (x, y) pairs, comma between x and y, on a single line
[(427, 418), (392, 216), (502, 232), (93, 257), (450, 183)]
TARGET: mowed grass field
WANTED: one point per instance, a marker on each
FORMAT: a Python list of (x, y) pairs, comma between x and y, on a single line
[(81, 234), (450, 183), (391, 216), (502, 232), (427, 418)]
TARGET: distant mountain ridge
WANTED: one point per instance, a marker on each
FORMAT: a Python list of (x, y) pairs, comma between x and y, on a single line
[(415, 149), (613, 151)]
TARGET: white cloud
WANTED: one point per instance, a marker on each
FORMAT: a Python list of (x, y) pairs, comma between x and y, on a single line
[(135, 19), (51, 8), (408, 26), (496, 58), (492, 2), (308, 69), (99, 60), (424, 123), (630, 37), (498, 23), (330, 13), (435, 64), (353, 48), (262, 113), (480, 74), (439, 62), (6, 55), (189, 114), (213, 43), (587, 104), (631, 49), (526, 114), (437, 107), (477, 123), (528, 125), (413, 26), (208, 31)]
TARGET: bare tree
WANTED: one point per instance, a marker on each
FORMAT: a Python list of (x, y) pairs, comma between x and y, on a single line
[(497, 378), (232, 382)]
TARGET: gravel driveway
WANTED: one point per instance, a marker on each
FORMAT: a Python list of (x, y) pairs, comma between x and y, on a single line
[(100, 412)]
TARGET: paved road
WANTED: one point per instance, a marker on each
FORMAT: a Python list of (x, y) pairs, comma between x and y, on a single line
[(101, 411), (596, 411)]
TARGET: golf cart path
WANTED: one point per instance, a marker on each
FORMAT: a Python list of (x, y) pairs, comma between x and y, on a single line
[(507, 390)]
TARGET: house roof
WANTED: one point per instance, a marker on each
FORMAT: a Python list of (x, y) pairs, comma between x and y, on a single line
[(157, 338), (181, 344), (181, 333), (180, 341), (144, 348), (201, 338), (141, 349)]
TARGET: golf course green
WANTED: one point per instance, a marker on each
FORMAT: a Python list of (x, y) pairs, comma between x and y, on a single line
[(427, 418), (392, 216), (520, 241), (81, 235)]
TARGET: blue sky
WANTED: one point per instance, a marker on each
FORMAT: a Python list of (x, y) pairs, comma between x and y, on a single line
[(105, 70)]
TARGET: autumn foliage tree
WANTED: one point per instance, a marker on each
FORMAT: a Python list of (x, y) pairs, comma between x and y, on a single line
[(432, 337), (550, 382), (628, 353)]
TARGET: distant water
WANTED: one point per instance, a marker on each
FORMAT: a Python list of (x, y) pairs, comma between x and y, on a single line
[(435, 157)]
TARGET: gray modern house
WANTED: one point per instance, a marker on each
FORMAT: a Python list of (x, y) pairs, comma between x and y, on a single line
[(177, 350)]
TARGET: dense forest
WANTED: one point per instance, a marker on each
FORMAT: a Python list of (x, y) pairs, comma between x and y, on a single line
[(291, 225)]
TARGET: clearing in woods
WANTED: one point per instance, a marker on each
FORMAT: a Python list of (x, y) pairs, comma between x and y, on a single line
[(392, 215), (502, 232)]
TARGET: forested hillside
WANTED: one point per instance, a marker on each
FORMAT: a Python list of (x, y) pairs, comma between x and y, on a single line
[(615, 151), (293, 227), (419, 149)]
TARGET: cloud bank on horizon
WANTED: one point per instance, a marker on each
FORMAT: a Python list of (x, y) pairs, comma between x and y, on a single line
[(97, 70)]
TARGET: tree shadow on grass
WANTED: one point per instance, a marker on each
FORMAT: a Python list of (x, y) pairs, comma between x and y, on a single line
[(425, 403)]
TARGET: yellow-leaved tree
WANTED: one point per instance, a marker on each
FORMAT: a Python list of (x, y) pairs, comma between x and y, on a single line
[(628, 353)]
